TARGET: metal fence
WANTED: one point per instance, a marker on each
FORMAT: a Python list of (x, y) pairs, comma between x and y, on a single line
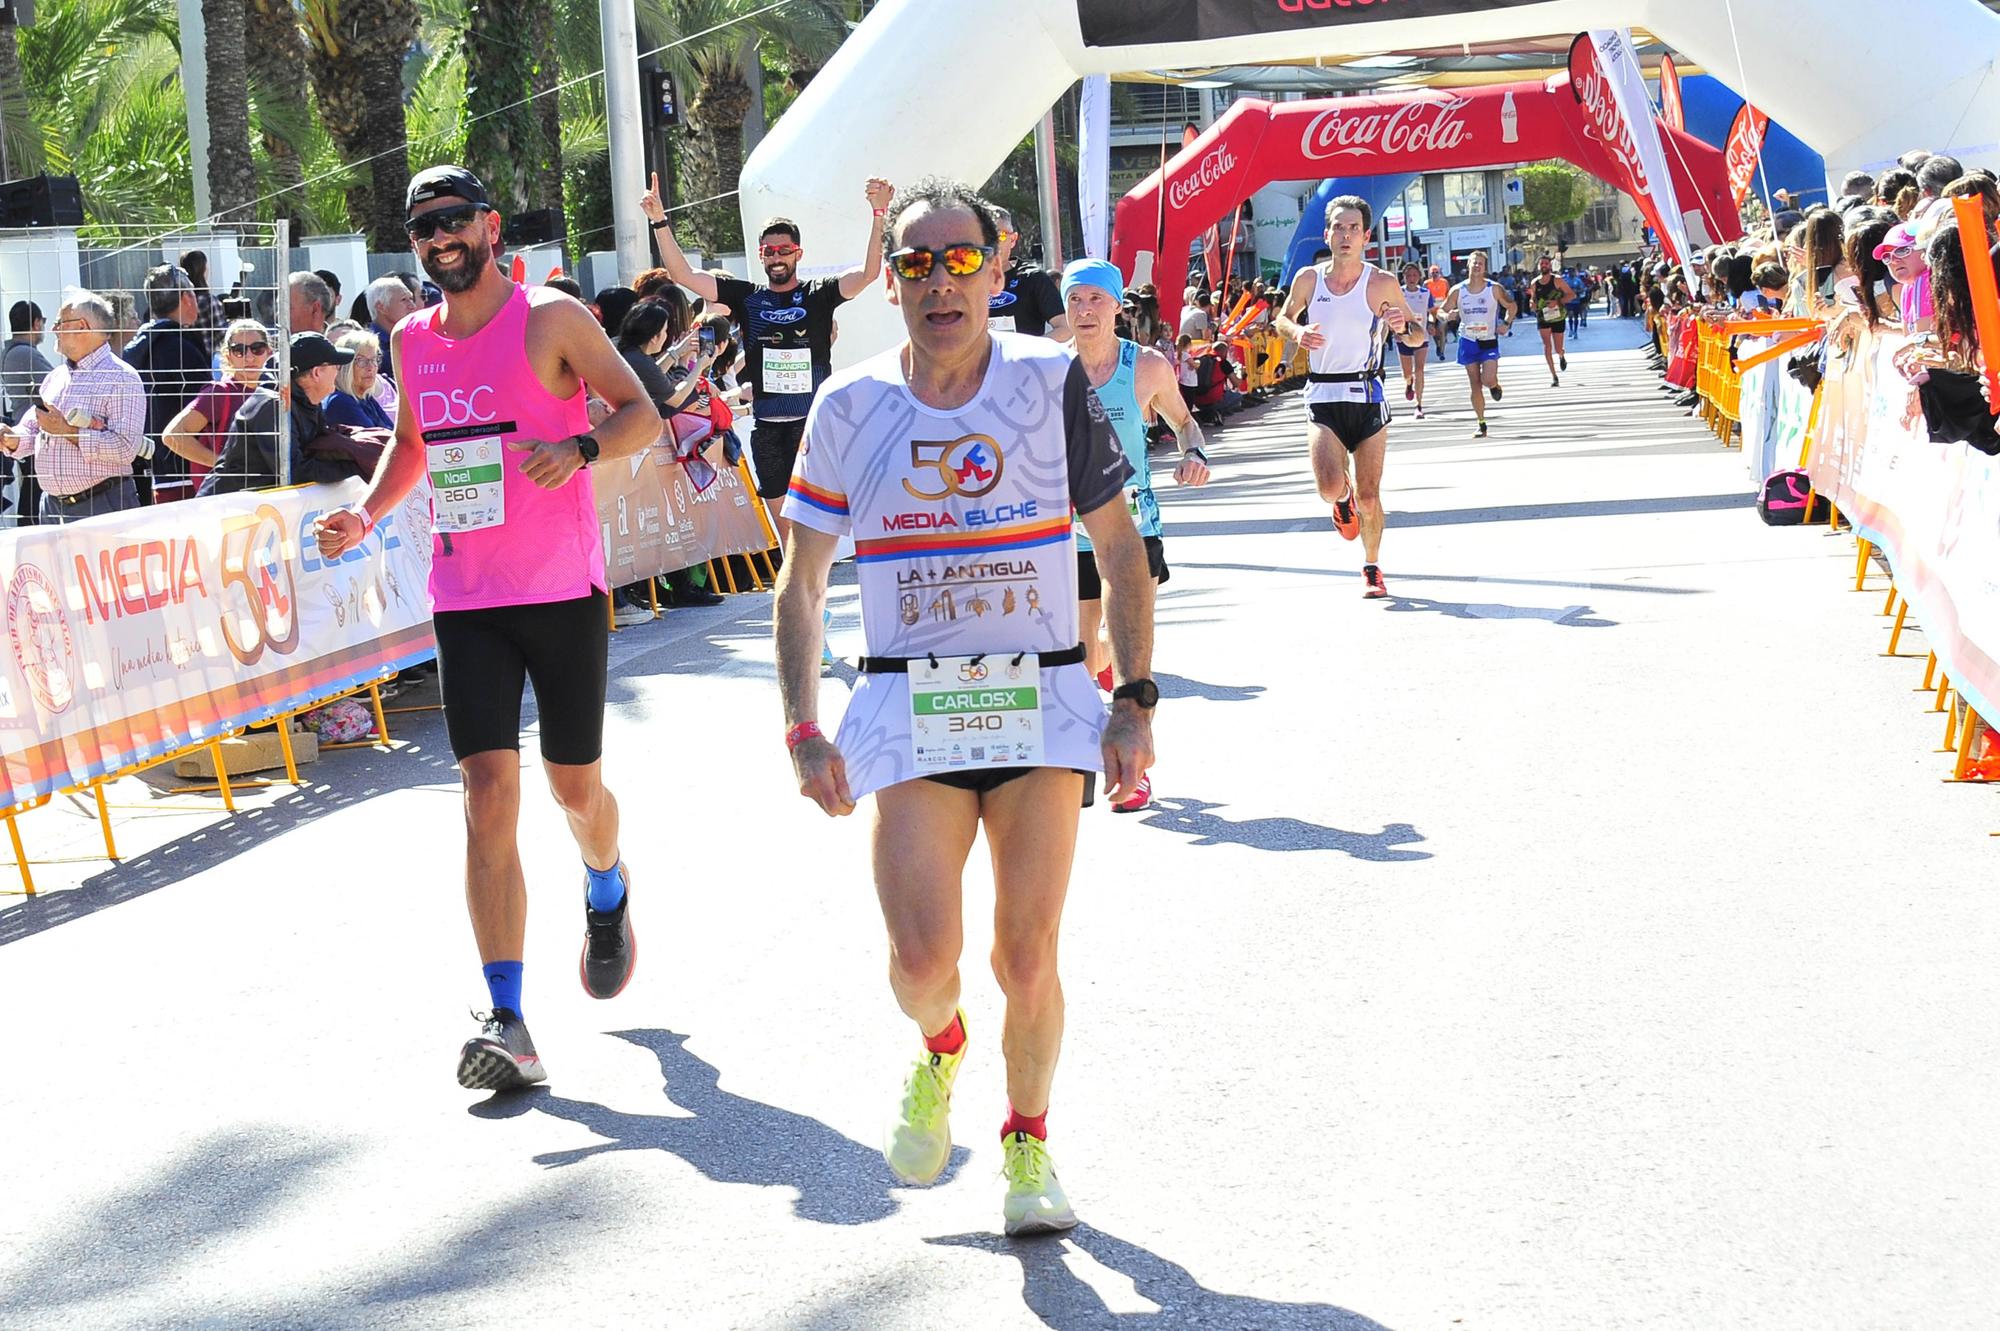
[(179, 346)]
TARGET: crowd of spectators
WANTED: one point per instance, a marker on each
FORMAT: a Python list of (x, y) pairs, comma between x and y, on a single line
[(1887, 255)]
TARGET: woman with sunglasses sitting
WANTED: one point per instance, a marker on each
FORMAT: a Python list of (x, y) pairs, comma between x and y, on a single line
[(201, 429)]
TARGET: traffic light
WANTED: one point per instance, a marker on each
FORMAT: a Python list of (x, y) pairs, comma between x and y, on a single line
[(663, 100)]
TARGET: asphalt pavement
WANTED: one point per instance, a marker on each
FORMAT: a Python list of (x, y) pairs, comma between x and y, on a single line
[(1582, 938)]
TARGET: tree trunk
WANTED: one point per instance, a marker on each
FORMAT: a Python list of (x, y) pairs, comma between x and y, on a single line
[(277, 51), (714, 160), (385, 140), (548, 186), (502, 135), (232, 172)]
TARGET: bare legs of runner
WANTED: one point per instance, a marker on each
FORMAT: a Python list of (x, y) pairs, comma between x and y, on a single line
[(496, 895), (1413, 370), (1552, 348), (923, 833), (1479, 379), (1330, 473)]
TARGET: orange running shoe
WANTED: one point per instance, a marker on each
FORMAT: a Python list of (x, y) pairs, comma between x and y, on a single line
[(1374, 589), (1345, 520)]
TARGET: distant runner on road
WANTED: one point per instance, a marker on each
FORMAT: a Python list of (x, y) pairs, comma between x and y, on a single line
[(1484, 310)]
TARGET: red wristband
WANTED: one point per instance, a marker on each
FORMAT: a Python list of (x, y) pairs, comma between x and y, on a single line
[(802, 732)]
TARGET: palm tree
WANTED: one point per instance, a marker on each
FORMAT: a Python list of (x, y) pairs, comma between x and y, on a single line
[(506, 142), (232, 173), (356, 63), (714, 66), (102, 79), (277, 51), (20, 136)]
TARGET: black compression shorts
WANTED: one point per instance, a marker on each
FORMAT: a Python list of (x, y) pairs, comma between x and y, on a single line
[(484, 656), (1090, 586), (1353, 423), (774, 447), (983, 779)]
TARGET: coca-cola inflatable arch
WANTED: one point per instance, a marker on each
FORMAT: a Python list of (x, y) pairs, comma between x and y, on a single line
[(1258, 142)]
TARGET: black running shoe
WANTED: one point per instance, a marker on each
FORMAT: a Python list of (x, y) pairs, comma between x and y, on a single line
[(1555, 382), (1495, 391), (501, 1057), (1563, 361), (609, 951), (1480, 433)]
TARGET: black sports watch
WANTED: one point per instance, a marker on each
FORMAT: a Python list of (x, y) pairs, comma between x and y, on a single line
[(1142, 691), (586, 447)]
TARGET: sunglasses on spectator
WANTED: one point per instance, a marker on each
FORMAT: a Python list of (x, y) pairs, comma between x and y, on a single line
[(451, 221), (914, 264), (1902, 251), (249, 348), (777, 251)]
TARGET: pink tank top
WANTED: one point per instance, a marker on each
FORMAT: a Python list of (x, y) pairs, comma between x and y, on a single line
[(525, 545)]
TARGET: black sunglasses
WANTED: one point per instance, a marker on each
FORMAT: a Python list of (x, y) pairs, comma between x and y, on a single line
[(249, 348), (451, 221)]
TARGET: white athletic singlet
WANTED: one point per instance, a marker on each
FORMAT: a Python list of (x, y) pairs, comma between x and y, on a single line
[(1353, 339), (1420, 301), (961, 523), (1479, 312)]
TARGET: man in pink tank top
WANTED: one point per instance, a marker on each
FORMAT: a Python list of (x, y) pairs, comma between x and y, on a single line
[(492, 416)]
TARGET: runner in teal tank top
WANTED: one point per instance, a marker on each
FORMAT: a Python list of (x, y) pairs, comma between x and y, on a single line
[(1133, 383)]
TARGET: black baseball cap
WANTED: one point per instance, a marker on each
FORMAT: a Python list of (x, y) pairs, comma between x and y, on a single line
[(445, 182), (312, 350)]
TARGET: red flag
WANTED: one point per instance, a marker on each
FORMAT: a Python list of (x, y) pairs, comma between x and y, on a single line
[(1742, 149), (518, 270), (1606, 126), (1671, 109)]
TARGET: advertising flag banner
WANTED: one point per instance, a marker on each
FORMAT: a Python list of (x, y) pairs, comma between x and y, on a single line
[(1093, 166), (1149, 22), (1605, 78), (1671, 109), (1743, 148)]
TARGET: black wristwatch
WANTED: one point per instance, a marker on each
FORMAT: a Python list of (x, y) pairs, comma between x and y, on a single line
[(586, 447), (659, 224), (1142, 691)]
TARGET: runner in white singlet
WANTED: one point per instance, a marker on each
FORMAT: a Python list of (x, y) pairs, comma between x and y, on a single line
[(1338, 312), (1484, 311), (956, 462)]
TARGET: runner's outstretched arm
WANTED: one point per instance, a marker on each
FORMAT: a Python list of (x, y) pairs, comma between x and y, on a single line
[(857, 280), (669, 249), (1128, 614), (821, 770)]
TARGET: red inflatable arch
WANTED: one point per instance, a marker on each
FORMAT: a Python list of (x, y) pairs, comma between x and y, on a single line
[(1258, 142)]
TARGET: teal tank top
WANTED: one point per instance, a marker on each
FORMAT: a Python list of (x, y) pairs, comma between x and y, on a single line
[(1120, 396)]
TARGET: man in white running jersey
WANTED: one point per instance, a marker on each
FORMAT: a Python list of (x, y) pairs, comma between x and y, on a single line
[(1338, 312), (1484, 311), (1413, 344)]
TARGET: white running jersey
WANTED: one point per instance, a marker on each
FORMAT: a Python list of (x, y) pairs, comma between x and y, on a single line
[(1478, 312), (962, 532), (1353, 337), (1420, 302)]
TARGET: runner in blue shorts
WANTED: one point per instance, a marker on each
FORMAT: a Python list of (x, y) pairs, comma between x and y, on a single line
[(1485, 311)]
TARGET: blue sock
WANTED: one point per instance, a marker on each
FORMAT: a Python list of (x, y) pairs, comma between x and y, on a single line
[(503, 982), (607, 887)]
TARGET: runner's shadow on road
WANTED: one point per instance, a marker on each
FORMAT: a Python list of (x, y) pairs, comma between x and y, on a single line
[(1179, 686), (1568, 616), (1193, 818), (1064, 1301), (729, 1138)]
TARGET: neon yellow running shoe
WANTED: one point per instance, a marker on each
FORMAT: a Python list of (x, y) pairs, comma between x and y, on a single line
[(919, 1142), (1036, 1203)]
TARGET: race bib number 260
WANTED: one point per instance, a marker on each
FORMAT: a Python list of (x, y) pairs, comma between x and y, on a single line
[(468, 483)]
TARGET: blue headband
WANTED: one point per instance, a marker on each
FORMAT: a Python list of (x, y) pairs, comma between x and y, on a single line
[(1100, 273)]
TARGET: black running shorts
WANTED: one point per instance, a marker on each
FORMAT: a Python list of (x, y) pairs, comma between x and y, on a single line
[(774, 447), (1353, 423), (1090, 587), (983, 779), (484, 656)]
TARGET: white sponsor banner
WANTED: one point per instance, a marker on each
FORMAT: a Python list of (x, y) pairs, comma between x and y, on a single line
[(137, 634), (1093, 166), (1628, 87)]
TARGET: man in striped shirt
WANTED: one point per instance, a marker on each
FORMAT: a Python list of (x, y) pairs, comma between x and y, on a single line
[(89, 421)]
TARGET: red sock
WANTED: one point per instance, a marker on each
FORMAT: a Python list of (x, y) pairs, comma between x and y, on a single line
[(949, 1040), (1037, 1127)]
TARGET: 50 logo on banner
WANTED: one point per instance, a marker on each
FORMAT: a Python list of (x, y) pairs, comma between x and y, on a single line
[(265, 606)]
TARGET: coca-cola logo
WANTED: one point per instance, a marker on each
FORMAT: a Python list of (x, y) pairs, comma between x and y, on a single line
[(1414, 127), (1603, 122), (1740, 156), (1214, 165)]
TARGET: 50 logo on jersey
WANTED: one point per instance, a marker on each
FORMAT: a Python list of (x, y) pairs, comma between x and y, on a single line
[(968, 467)]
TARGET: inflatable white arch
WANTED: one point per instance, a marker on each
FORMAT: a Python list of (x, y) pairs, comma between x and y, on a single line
[(949, 87)]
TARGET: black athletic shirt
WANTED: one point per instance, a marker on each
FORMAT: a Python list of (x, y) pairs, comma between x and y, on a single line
[(801, 317), (1032, 300)]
